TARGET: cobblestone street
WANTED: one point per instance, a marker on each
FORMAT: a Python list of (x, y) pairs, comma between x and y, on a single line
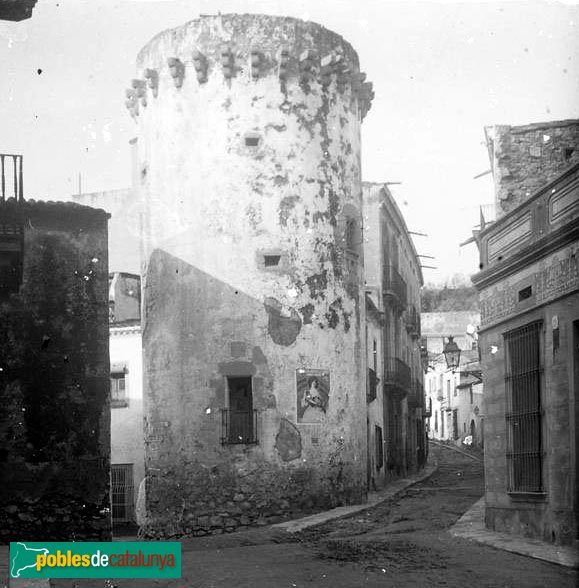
[(400, 543)]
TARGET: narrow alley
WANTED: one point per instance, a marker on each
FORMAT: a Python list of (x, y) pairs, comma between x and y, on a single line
[(400, 543)]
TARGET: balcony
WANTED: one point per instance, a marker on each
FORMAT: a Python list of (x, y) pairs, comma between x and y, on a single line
[(11, 179), (427, 412), (397, 378), (412, 321), (416, 395), (394, 287), (372, 385), (238, 427)]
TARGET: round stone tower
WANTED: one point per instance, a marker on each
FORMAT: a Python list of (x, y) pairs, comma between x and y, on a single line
[(249, 173)]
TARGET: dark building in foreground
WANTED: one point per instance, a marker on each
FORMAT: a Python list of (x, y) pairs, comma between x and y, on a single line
[(529, 337), (54, 372)]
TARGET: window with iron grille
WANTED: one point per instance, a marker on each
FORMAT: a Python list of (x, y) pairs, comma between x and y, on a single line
[(122, 493), (239, 421), (523, 381)]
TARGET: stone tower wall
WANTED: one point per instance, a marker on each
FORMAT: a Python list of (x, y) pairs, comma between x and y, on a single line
[(249, 163)]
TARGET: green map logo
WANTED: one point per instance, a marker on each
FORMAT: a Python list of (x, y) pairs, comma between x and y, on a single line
[(23, 557), (128, 559)]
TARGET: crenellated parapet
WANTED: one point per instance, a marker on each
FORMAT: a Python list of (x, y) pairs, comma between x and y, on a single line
[(232, 49)]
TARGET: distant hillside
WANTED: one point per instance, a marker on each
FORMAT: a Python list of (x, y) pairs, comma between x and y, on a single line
[(437, 299)]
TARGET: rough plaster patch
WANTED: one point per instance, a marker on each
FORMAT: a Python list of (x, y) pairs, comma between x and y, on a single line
[(285, 207), (288, 441), (282, 329)]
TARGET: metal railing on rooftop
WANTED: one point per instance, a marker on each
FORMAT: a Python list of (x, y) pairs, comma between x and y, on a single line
[(11, 173)]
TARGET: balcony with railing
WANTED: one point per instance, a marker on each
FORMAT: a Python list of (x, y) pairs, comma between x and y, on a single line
[(412, 321), (397, 377), (416, 395), (395, 287), (238, 427), (11, 178), (427, 412)]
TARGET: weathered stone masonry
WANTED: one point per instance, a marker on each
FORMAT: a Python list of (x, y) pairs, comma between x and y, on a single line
[(54, 377), (525, 158), (249, 155)]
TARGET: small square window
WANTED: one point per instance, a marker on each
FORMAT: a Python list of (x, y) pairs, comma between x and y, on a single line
[(252, 140), (271, 260)]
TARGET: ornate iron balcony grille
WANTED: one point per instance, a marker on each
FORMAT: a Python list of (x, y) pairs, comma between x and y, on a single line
[(395, 286), (397, 376), (416, 395), (412, 321), (238, 427)]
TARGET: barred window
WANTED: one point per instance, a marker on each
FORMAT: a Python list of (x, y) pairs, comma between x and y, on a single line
[(523, 380)]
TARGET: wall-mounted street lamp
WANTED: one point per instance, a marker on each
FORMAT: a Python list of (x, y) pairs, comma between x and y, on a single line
[(451, 353)]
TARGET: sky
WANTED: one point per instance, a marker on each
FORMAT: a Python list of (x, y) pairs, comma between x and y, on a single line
[(441, 71)]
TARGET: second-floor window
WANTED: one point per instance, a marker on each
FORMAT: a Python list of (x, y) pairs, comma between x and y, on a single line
[(119, 398)]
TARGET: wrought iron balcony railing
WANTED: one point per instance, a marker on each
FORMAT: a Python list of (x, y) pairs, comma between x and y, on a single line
[(11, 173), (397, 376), (427, 413), (416, 395), (372, 385), (395, 286), (412, 320), (238, 427)]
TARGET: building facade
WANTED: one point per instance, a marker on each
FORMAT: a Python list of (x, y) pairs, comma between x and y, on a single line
[(393, 276), (455, 398), (529, 293), (54, 377), (124, 208), (254, 311), (127, 436)]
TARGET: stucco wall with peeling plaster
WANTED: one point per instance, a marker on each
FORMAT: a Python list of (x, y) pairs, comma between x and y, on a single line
[(214, 206)]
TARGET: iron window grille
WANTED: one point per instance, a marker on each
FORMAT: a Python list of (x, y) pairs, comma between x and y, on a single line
[(238, 427), (122, 493), (523, 383)]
